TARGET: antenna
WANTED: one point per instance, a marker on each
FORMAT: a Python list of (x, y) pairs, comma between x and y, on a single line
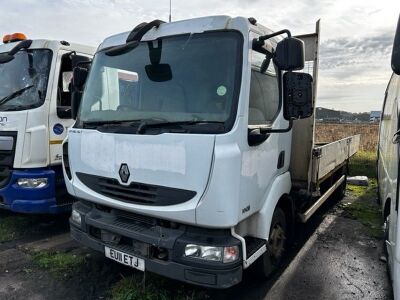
[(170, 10)]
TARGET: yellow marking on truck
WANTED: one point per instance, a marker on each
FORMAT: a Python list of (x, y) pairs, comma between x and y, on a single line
[(56, 142)]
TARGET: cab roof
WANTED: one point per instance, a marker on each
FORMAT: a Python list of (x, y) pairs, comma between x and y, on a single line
[(52, 45), (196, 25)]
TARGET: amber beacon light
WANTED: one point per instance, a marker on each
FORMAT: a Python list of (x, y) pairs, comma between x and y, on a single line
[(15, 37)]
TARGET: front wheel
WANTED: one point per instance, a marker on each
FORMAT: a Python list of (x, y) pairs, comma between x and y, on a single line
[(272, 259)]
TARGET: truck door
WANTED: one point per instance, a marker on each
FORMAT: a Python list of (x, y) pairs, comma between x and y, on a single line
[(60, 107), (264, 156)]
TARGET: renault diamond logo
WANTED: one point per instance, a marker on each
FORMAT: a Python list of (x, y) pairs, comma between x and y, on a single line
[(124, 173)]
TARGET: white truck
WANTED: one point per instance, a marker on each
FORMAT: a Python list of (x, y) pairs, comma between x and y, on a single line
[(193, 152), (388, 167), (34, 113)]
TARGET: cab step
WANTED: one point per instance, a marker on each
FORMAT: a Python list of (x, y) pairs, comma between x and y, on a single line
[(255, 247)]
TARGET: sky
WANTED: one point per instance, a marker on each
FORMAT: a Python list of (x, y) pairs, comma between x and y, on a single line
[(356, 35)]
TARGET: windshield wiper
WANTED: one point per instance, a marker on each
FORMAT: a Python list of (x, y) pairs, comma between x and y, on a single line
[(94, 124), (18, 107), (14, 94), (144, 124)]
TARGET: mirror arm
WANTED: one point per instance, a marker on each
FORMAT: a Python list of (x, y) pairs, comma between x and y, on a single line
[(21, 45), (257, 43)]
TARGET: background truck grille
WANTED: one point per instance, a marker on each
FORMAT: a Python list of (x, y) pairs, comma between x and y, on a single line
[(138, 193), (8, 140)]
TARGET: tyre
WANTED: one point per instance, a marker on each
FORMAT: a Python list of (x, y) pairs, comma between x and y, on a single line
[(340, 192), (277, 242)]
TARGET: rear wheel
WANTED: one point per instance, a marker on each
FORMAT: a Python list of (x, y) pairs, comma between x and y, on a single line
[(272, 259), (340, 191)]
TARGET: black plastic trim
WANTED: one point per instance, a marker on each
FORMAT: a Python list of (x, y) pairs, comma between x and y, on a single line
[(7, 159), (148, 232), (136, 192)]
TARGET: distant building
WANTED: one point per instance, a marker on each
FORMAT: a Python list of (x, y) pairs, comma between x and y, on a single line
[(375, 116)]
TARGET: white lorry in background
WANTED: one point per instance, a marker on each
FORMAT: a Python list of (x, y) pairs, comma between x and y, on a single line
[(388, 167), (193, 152), (35, 110)]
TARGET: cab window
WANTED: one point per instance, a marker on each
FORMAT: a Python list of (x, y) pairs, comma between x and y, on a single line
[(264, 91), (68, 62)]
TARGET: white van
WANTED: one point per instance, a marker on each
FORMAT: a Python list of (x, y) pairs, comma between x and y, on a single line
[(388, 167)]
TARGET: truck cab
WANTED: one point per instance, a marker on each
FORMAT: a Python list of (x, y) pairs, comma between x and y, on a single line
[(193, 151), (35, 101), (388, 167)]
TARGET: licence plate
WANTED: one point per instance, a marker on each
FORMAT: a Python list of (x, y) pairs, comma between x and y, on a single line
[(125, 258)]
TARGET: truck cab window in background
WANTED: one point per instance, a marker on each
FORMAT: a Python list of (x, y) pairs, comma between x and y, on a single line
[(23, 81), (64, 88), (202, 85), (264, 91)]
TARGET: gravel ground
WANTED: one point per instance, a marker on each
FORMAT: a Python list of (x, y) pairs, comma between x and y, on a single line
[(334, 257)]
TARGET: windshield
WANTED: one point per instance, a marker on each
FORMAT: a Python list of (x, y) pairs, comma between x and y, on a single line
[(23, 80), (173, 79)]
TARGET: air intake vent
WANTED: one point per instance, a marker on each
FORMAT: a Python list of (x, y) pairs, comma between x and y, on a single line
[(138, 193), (8, 140)]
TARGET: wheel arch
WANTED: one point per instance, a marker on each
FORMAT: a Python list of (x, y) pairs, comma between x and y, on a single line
[(278, 196)]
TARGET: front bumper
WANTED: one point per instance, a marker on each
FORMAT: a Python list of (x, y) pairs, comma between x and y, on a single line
[(141, 239), (35, 200)]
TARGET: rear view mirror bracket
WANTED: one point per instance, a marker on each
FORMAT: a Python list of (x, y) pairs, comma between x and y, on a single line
[(9, 56), (134, 38), (288, 54)]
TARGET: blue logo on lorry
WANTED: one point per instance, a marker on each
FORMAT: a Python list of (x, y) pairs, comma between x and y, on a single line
[(58, 128)]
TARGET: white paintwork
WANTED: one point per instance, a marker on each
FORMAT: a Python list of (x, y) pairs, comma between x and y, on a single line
[(388, 160), (174, 160), (37, 145), (395, 277), (237, 185), (333, 155)]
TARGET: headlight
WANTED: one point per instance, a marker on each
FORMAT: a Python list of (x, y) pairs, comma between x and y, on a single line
[(211, 253), (76, 217), (32, 182)]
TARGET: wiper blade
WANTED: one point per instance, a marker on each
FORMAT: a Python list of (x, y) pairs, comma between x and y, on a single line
[(18, 107), (14, 94), (145, 124), (104, 123)]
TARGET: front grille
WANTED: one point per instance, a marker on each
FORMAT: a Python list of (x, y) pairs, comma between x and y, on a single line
[(138, 193), (8, 140)]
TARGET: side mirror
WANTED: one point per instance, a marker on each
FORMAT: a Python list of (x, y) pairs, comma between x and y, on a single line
[(79, 77), (289, 54), (396, 51), (298, 101), (64, 112), (76, 97)]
